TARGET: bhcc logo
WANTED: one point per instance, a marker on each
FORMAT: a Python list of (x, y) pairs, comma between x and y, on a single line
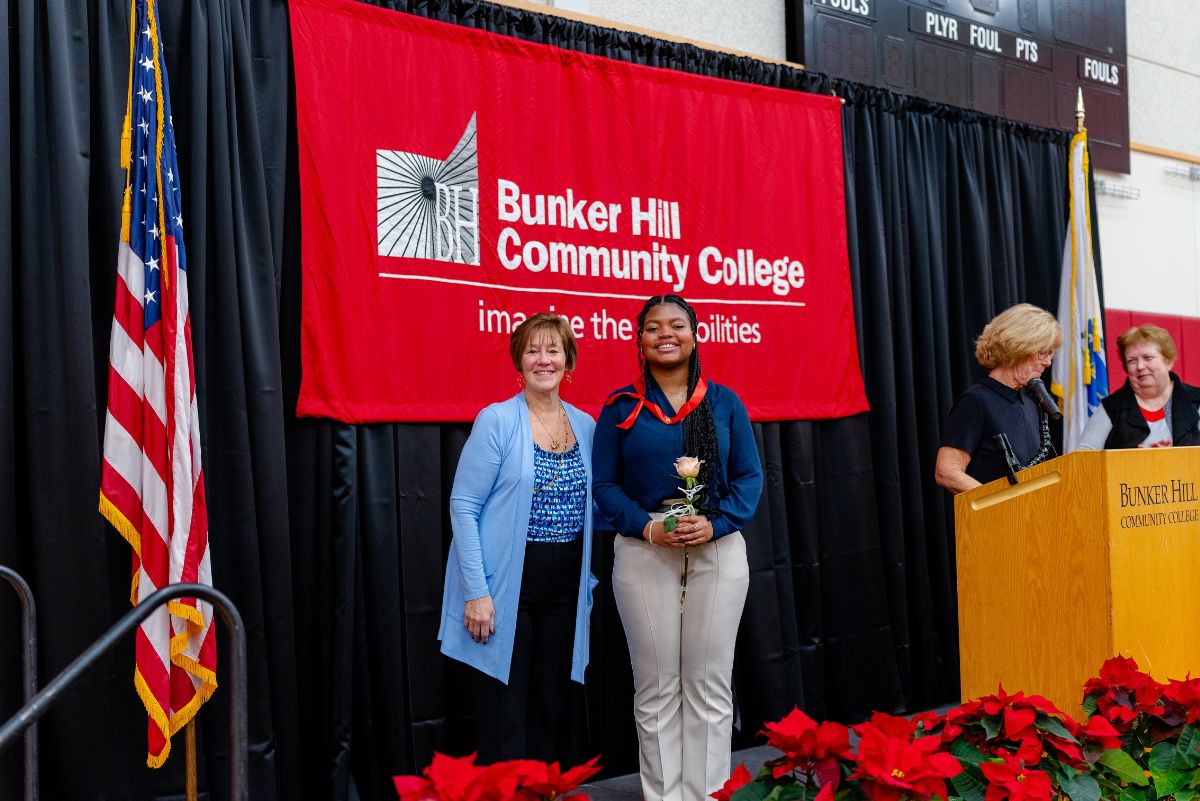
[(429, 208)]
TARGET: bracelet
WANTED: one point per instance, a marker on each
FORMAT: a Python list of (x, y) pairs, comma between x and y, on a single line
[(648, 532)]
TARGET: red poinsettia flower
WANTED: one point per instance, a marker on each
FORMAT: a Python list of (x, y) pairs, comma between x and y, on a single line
[(530, 779), (1121, 691), (892, 768), (1181, 700), (927, 721), (452, 777), (446, 778), (740, 778), (414, 788), (1100, 734), (1017, 718), (811, 748), (890, 725), (460, 779), (1011, 780)]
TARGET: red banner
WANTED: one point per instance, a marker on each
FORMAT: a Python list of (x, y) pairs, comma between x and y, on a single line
[(454, 182)]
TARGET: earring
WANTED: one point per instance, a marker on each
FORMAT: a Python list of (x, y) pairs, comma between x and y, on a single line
[(520, 381), (568, 378)]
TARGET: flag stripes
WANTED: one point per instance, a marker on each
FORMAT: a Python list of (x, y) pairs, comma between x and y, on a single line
[(152, 484)]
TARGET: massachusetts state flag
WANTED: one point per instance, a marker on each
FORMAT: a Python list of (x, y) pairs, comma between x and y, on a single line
[(1079, 375), (152, 486)]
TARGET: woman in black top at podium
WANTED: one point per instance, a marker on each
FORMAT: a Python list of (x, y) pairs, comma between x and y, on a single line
[(1016, 347)]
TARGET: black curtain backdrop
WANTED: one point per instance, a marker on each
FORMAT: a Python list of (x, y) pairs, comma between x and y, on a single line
[(331, 538)]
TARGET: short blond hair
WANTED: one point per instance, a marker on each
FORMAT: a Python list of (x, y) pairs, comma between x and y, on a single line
[(1015, 334), (542, 322), (1153, 334)]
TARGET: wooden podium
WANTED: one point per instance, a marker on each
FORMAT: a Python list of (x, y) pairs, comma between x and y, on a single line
[(1086, 556)]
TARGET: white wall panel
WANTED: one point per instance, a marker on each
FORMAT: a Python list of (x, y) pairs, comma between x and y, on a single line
[(1148, 245)]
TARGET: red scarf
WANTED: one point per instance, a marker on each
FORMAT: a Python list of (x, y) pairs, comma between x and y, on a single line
[(639, 393)]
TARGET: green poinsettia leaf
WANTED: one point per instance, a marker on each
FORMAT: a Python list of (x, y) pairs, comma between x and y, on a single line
[(1081, 787), (1187, 749), (669, 525), (754, 791), (1090, 706), (1123, 767), (966, 753), (968, 787), (991, 725), (1053, 726), (1167, 783), (1134, 794), (1186, 794), (791, 792), (1162, 757)]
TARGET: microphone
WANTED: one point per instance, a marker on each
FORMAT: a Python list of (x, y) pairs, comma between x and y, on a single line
[(1037, 390)]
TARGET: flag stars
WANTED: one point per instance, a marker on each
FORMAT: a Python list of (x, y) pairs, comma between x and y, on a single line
[(145, 94), (147, 64), (147, 31), (149, 296), (179, 220), (152, 264), (170, 176), (154, 231), (145, 126)]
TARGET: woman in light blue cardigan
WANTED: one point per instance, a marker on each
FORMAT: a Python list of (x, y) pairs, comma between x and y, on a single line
[(518, 593)]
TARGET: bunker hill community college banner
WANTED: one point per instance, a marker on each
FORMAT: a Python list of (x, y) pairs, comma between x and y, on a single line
[(455, 181)]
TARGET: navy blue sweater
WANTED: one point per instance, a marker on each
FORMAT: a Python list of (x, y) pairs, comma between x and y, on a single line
[(634, 471)]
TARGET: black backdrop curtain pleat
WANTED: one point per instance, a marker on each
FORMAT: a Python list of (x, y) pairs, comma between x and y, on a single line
[(331, 538)]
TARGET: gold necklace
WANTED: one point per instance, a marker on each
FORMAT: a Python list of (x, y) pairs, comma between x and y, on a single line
[(555, 443)]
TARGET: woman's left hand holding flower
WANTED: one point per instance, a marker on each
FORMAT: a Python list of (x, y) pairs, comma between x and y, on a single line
[(693, 530)]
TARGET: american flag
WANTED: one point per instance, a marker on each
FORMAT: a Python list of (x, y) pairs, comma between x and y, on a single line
[(152, 485)]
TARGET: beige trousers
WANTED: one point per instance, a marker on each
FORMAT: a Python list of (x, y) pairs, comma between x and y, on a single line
[(682, 662)]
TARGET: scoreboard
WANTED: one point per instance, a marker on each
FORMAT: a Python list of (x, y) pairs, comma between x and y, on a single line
[(1019, 59)]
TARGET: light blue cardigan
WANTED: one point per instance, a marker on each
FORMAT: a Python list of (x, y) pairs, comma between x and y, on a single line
[(489, 512)]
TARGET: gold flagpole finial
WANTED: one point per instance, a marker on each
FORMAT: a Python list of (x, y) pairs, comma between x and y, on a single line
[(1079, 109)]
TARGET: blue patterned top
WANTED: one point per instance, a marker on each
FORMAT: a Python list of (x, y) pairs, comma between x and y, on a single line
[(559, 495)]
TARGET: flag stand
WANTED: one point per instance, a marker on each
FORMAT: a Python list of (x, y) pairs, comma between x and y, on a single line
[(189, 738)]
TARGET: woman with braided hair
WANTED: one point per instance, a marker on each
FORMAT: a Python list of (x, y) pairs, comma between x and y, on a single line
[(681, 646)]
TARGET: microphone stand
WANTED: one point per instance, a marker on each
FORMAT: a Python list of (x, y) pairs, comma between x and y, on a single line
[(1010, 458)]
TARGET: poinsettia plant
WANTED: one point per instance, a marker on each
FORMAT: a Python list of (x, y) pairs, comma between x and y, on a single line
[(1159, 725), (460, 779), (1140, 742)]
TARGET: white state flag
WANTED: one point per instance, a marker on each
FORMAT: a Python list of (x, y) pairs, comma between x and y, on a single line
[(1079, 375)]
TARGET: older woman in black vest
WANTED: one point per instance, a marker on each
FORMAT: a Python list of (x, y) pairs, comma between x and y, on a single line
[(1154, 409)]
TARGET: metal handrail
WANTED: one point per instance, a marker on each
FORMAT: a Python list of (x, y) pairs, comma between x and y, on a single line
[(37, 707), (28, 672)]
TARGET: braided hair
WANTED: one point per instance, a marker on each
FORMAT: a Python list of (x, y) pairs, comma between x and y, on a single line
[(699, 428)]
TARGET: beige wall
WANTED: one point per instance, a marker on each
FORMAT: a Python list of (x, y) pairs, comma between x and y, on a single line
[(1151, 245), (749, 26)]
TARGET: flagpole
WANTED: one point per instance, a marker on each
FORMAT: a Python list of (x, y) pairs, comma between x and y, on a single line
[(189, 739)]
